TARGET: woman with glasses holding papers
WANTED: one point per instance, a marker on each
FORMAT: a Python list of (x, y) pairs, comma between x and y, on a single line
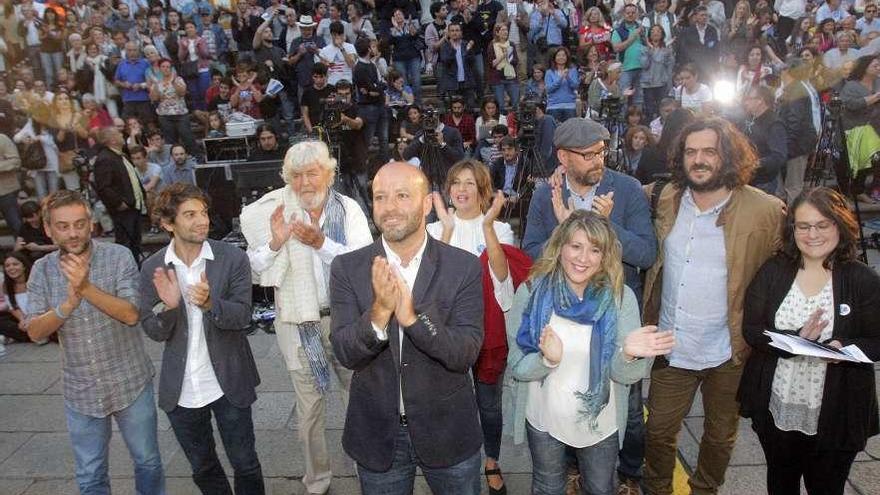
[(812, 415)]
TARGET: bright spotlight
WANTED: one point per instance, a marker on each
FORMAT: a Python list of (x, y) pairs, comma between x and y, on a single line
[(724, 92)]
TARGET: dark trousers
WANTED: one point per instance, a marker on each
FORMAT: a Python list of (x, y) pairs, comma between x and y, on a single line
[(9, 208), (792, 455), (192, 427), (177, 129), (489, 405), (143, 110), (375, 124), (632, 455), (127, 229), (9, 328)]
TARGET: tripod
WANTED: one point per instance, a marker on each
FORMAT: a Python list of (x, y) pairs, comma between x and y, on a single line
[(533, 170), (831, 161), (611, 118)]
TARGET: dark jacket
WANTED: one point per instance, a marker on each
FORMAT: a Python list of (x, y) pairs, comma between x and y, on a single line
[(796, 113), (848, 416), (225, 327), (630, 219), (768, 135), (451, 153), (112, 182), (498, 170), (449, 75), (433, 368), (703, 55)]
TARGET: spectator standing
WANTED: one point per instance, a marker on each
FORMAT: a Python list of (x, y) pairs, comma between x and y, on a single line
[(658, 61), (131, 77), (52, 36), (767, 134), (169, 92), (106, 371), (562, 82), (628, 38), (303, 54), (406, 58), (502, 61), (699, 43), (545, 30), (10, 164), (370, 90), (195, 64), (800, 111), (46, 178), (435, 36), (338, 55), (457, 59)]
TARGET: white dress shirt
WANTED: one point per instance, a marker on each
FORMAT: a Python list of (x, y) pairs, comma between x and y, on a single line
[(200, 385)]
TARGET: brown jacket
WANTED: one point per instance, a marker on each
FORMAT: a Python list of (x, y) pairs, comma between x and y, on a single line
[(752, 223)]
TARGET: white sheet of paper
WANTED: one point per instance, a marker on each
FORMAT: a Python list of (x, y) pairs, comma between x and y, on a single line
[(803, 347)]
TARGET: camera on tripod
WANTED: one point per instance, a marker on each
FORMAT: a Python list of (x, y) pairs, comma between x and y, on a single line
[(527, 118), (430, 123), (333, 108), (611, 107)]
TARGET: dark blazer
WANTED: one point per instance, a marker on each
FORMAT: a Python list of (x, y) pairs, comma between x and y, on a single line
[(703, 55), (630, 219), (226, 324), (433, 368), (796, 113), (112, 182), (449, 76), (849, 403), (498, 170)]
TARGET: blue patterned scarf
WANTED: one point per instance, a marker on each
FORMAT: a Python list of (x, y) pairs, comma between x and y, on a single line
[(551, 294), (310, 331)]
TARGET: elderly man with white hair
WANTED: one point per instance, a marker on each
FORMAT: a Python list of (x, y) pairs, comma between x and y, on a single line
[(293, 234)]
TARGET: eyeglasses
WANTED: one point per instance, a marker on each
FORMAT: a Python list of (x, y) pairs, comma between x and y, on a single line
[(821, 227), (590, 155)]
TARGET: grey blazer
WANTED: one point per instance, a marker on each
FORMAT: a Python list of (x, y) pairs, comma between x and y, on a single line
[(226, 323)]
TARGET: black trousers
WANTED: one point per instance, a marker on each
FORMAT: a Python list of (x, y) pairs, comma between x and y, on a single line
[(9, 328), (127, 227), (792, 455)]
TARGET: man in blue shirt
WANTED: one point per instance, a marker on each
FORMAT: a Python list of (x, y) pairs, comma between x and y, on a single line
[(181, 168), (131, 78), (546, 22)]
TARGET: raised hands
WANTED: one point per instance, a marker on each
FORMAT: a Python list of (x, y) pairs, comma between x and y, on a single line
[(560, 209), (494, 210), (550, 345), (603, 204), (309, 234), (75, 268), (444, 214), (648, 341), (281, 229), (167, 287), (200, 293)]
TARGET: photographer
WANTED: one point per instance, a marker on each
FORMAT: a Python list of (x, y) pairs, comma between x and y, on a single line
[(341, 118), (302, 54), (545, 29), (313, 95), (370, 91), (436, 136)]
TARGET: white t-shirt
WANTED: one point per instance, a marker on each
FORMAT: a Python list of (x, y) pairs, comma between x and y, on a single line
[(552, 406), (337, 68), (695, 100)]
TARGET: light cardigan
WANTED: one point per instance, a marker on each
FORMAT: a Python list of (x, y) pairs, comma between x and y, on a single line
[(522, 369)]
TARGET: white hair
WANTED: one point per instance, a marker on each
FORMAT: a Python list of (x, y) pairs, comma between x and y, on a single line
[(304, 154)]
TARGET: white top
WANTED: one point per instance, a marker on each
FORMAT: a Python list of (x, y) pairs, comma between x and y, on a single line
[(552, 406), (694, 100), (357, 235), (483, 130), (799, 381), (409, 274), (468, 235), (50, 149), (337, 69), (200, 385), (21, 298)]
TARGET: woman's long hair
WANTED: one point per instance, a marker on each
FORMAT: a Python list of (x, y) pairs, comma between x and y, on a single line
[(8, 283), (861, 66), (833, 206), (600, 234)]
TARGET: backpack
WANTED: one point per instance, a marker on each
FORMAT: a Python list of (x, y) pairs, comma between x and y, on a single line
[(32, 156)]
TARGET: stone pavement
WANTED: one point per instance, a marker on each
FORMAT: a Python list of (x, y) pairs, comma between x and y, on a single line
[(35, 455)]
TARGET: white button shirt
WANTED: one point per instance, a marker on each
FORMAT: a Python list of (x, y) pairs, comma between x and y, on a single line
[(200, 385)]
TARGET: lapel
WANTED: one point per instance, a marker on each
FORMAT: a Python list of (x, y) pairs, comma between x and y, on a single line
[(426, 272)]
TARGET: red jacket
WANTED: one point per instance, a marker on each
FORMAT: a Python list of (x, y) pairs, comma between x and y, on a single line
[(493, 354)]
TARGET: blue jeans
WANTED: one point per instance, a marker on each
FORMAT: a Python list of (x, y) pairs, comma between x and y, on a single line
[(511, 87), (631, 79), (411, 71), (632, 455), (9, 208), (489, 405), (595, 463), (562, 114), (459, 479), (90, 438), (480, 68), (51, 63), (197, 87), (375, 119), (192, 427)]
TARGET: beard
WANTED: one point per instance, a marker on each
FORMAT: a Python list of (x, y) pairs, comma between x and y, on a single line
[(402, 230), (74, 247), (310, 201), (713, 183), (585, 178)]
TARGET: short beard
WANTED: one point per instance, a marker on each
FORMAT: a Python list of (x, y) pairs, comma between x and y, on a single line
[(715, 183), (583, 179), (400, 233)]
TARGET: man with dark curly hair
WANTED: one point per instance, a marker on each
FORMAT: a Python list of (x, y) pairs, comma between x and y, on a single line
[(715, 232)]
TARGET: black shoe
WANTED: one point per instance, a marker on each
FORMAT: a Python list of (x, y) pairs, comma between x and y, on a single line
[(495, 491)]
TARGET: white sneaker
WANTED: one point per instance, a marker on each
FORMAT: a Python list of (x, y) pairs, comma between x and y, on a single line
[(41, 341)]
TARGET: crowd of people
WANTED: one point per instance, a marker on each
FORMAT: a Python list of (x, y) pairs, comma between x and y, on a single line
[(648, 150)]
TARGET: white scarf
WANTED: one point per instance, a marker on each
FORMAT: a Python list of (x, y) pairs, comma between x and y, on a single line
[(292, 275)]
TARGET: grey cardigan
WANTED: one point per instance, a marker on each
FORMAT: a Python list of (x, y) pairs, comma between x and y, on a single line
[(522, 369), (657, 64), (855, 108)]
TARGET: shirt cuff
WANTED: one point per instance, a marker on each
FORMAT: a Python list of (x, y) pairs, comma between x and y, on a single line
[(548, 363), (381, 333)]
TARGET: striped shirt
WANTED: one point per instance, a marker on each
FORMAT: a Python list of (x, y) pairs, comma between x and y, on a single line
[(105, 366)]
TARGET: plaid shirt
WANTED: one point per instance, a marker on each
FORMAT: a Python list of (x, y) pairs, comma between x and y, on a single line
[(104, 363), (467, 127)]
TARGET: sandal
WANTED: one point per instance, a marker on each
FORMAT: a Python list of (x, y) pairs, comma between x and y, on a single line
[(495, 491)]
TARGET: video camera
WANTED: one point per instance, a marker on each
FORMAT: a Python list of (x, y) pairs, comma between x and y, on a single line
[(611, 107), (527, 118), (333, 108), (430, 123)]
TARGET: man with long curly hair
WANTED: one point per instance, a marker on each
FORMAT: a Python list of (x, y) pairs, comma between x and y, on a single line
[(715, 231)]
